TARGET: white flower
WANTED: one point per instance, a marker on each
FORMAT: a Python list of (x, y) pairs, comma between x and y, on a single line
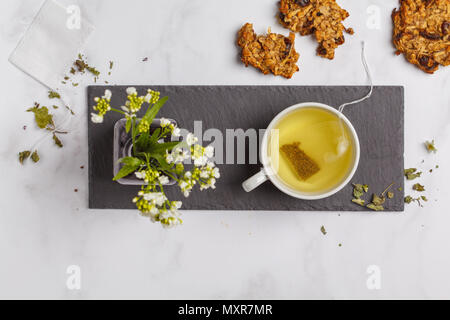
[(126, 109), (176, 132), (95, 118), (131, 91), (164, 122), (140, 175), (186, 193), (216, 173), (191, 139), (200, 161), (204, 174), (169, 157), (177, 204), (209, 151), (148, 97), (188, 174), (163, 180), (96, 99), (108, 94)]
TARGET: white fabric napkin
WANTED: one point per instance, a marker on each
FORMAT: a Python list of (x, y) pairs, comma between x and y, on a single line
[(51, 44)]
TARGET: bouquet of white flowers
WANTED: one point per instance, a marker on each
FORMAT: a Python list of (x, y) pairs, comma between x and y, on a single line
[(155, 161)]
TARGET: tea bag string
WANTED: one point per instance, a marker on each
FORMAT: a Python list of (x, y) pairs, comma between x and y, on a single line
[(366, 68)]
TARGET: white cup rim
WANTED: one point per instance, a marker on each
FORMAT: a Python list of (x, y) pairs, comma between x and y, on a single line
[(297, 194)]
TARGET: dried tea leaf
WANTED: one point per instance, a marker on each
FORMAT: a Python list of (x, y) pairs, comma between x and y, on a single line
[(359, 201), (430, 146), (111, 64), (409, 199), (92, 70), (70, 110), (55, 107), (424, 198), (412, 173), (418, 187), (35, 156), (365, 188), (378, 200), (322, 229), (41, 116), (53, 95), (409, 171), (390, 195), (375, 207), (358, 190), (57, 141), (24, 155)]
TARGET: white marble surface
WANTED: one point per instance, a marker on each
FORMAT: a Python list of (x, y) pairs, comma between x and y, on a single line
[(45, 226)]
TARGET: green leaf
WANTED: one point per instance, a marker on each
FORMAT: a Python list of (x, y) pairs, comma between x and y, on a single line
[(41, 116), (57, 141), (162, 161), (131, 164), (143, 142), (35, 156), (155, 136), (160, 148), (153, 111), (24, 155), (128, 125)]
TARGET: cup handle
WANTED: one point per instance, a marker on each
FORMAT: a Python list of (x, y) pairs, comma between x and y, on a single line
[(253, 182)]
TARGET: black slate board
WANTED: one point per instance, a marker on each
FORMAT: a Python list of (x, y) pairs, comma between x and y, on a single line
[(378, 122)]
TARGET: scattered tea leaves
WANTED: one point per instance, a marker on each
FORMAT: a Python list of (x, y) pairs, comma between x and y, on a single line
[(70, 110), (375, 207), (359, 201), (24, 155), (42, 117), (378, 200), (430, 146), (418, 187), (359, 190), (55, 107), (322, 229), (390, 195), (409, 199), (35, 156), (53, 95), (412, 173), (57, 141)]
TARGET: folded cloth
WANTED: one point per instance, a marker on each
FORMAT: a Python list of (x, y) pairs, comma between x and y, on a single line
[(52, 42)]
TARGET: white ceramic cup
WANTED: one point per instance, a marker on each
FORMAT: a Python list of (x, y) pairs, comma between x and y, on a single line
[(268, 173)]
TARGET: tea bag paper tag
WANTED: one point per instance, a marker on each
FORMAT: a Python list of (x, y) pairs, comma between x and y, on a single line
[(51, 43)]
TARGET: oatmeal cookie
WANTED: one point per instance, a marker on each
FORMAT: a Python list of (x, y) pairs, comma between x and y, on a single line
[(273, 52), (422, 32), (323, 18)]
